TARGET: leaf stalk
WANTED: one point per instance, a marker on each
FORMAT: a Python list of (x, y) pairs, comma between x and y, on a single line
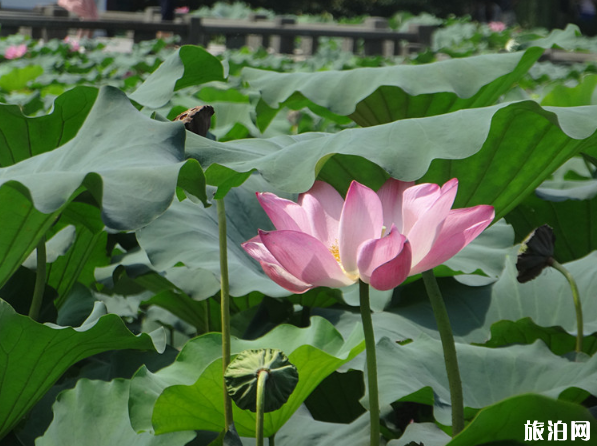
[(261, 379), (449, 348), (40, 280), (371, 362), (575, 298)]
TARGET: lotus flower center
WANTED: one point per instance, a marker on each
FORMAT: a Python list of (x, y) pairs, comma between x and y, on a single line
[(335, 250)]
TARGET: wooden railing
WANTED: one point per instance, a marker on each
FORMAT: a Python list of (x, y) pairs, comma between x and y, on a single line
[(374, 37)]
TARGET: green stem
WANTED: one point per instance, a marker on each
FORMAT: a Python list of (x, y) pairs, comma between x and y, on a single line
[(371, 362), (577, 304), (225, 307), (449, 347), (272, 440), (261, 379), (40, 280)]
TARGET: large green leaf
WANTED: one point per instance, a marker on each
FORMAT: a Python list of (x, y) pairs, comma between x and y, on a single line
[(22, 137), (18, 78), (505, 421), (500, 154), (489, 375), (189, 65), (188, 395), (188, 233), (570, 208), (129, 163), (303, 430), (95, 413), (372, 96), (422, 433), (585, 93), (33, 356), (525, 331), (473, 310), (86, 253)]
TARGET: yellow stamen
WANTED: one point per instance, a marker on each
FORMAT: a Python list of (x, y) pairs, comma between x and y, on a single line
[(335, 250)]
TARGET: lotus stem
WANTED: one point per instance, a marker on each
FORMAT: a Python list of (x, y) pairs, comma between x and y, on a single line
[(272, 440), (371, 362), (225, 308), (449, 348), (577, 304), (40, 280), (261, 379)]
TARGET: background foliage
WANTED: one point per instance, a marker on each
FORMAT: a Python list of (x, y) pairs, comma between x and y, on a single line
[(123, 197)]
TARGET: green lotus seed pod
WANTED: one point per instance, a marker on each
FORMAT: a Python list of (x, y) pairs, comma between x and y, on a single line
[(242, 373)]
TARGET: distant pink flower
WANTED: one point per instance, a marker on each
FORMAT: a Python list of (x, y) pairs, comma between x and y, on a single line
[(497, 27), (380, 238), (15, 51), (74, 44), (182, 10)]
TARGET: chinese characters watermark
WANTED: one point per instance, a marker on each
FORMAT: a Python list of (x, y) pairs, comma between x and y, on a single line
[(557, 431)]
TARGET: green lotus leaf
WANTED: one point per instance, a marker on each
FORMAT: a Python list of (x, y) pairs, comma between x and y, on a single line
[(130, 164), (479, 147), (547, 300), (303, 430), (372, 96), (189, 65), (505, 421), (426, 433), (33, 356), (489, 375), (567, 38), (24, 137), (525, 331), (100, 407), (87, 252), (569, 207), (18, 78), (243, 372), (189, 394), (188, 233), (585, 93)]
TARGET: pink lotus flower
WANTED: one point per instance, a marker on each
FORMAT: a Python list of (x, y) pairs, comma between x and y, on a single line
[(497, 27), (182, 10), (380, 238), (15, 51), (74, 43)]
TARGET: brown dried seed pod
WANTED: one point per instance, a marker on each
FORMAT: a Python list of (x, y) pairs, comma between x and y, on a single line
[(197, 119)]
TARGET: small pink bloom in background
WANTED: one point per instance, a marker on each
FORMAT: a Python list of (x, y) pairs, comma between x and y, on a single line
[(497, 27), (15, 51), (182, 10), (380, 238), (73, 42)]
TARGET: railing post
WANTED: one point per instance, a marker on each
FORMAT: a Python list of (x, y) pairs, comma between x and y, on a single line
[(47, 34), (375, 47), (350, 44), (149, 16), (195, 35), (7, 30), (424, 39), (309, 45), (426, 34), (255, 41), (283, 44)]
